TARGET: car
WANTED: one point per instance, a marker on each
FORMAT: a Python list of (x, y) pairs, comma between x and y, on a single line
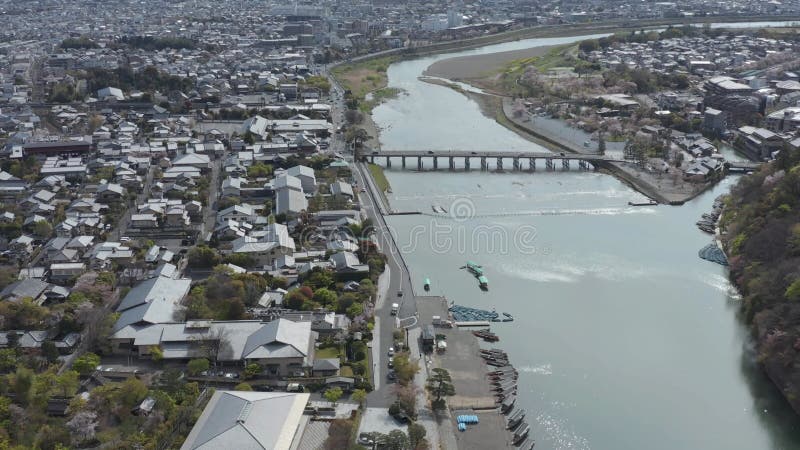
[(391, 362), (264, 388), (562, 154), (124, 239), (430, 152), (391, 351), (399, 293), (391, 375), (474, 153), (232, 375), (365, 439)]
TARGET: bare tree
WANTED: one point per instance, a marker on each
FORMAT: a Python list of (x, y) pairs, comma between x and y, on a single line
[(213, 344)]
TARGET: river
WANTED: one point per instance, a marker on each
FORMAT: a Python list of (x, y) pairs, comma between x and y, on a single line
[(624, 338)]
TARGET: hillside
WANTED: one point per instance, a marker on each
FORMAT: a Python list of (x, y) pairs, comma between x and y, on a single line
[(762, 238)]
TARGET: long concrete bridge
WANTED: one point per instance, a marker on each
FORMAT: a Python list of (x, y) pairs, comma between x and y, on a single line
[(517, 158)]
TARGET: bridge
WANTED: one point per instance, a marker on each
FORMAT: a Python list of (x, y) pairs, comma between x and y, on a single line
[(517, 158)]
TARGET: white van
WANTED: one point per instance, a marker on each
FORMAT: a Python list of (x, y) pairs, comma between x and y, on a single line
[(395, 308)]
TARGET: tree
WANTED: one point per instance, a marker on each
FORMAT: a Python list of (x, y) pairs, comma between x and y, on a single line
[(243, 387), (397, 440), (405, 367), (22, 385), (339, 434), (440, 383), (333, 394), (359, 395), (198, 365), (50, 351), (82, 426), (252, 370), (203, 257), (601, 144), (416, 436), (86, 363), (8, 359), (156, 353), (68, 383), (324, 297)]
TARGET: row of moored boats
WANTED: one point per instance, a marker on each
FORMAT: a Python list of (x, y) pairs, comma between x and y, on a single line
[(503, 381)]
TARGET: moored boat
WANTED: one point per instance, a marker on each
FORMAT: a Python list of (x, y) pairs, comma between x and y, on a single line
[(427, 284)]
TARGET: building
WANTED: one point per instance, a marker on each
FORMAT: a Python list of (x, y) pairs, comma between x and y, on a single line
[(249, 420), (289, 196)]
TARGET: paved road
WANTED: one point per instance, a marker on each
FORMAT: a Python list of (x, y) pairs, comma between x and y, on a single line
[(399, 282)]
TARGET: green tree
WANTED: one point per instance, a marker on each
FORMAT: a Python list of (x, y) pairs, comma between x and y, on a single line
[(405, 367), (359, 395), (49, 351), (86, 363), (416, 436), (324, 297), (440, 383), (397, 440), (22, 385), (156, 353), (198, 365), (8, 359), (67, 383), (243, 387), (252, 370), (203, 257), (333, 394)]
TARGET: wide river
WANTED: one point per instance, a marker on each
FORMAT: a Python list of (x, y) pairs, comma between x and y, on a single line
[(624, 338)]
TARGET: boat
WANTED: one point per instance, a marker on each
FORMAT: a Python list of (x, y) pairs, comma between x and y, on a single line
[(486, 335), (483, 282), (507, 404), (521, 433), (527, 444), (515, 419), (427, 284), (474, 268)]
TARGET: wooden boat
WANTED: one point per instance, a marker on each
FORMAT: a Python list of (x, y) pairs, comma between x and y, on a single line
[(527, 444), (507, 404), (486, 335), (521, 433), (515, 419)]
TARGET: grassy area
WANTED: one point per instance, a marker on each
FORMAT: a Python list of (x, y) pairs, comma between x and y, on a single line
[(364, 77), (346, 371), (327, 353), (378, 97), (379, 177)]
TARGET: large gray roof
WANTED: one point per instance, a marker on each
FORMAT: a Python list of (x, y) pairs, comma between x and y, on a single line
[(279, 339), (248, 420), (160, 287)]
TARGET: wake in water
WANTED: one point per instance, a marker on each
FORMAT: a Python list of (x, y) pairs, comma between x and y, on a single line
[(544, 369), (554, 212)]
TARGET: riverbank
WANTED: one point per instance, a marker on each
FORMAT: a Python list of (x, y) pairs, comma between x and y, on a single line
[(473, 67), (654, 185)]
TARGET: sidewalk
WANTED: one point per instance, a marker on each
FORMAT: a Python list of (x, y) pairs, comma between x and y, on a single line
[(382, 290)]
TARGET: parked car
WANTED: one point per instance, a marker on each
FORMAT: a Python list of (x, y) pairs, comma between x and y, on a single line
[(391, 362), (365, 439), (391, 351), (392, 375)]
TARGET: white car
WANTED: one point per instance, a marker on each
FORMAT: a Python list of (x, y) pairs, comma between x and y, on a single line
[(391, 351)]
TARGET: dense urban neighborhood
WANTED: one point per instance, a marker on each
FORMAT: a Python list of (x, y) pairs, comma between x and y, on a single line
[(194, 247)]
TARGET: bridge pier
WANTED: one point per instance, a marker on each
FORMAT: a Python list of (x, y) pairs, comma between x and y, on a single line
[(499, 163), (515, 162), (466, 164), (532, 164), (484, 166), (403, 161), (452, 163), (582, 164), (435, 163), (372, 160), (548, 162), (419, 163), (565, 164), (388, 162)]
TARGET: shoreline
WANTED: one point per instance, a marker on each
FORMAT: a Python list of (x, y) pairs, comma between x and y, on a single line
[(494, 107)]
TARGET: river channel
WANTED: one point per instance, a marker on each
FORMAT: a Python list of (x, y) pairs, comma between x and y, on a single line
[(623, 337)]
